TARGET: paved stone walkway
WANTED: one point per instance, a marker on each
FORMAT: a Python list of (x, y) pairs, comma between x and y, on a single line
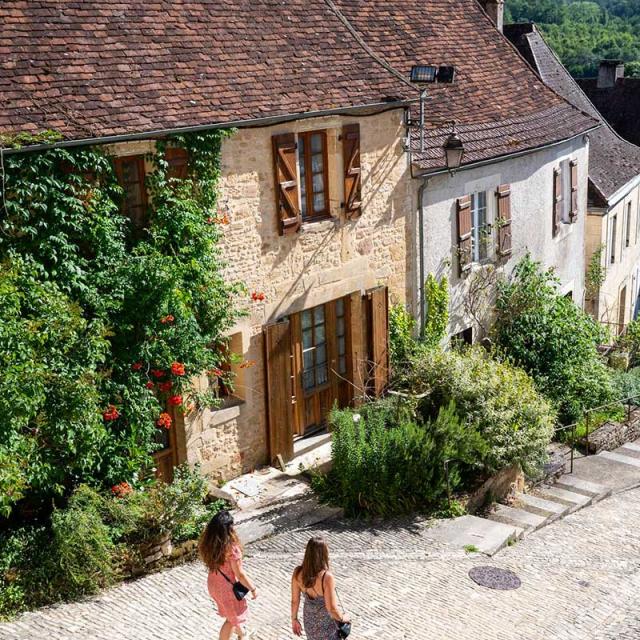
[(580, 581)]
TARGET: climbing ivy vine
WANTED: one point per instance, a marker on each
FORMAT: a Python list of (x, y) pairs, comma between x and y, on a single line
[(104, 326)]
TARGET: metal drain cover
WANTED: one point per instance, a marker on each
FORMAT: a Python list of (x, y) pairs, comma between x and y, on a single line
[(495, 578)]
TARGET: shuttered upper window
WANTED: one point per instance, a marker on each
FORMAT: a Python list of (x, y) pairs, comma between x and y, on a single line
[(481, 229), (131, 175), (312, 165)]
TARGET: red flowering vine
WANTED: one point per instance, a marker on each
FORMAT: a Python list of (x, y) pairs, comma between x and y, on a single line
[(247, 364), (150, 385), (164, 421), (136, 366), (111, 413), (165, 386), (175, 401), (218, 373), (177, 368), (258, 296), (157, 373), (121, 490), (167, 319)]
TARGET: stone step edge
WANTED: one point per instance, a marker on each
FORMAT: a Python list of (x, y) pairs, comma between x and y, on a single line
[(575, 484), (538, 505), (515, 517)]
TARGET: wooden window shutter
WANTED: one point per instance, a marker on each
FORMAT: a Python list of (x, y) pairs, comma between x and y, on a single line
[(352, 170), (277, 343), (286, 182), (557, 200), (357, 347), (177, 159), (503, 195), (464, 234), (573, 215), (379, 310)]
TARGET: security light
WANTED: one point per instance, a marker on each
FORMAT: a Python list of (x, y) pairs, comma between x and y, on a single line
[(423, 74)]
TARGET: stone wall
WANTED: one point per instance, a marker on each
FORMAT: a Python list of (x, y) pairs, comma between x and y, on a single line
[(325, 260), (612, 435)]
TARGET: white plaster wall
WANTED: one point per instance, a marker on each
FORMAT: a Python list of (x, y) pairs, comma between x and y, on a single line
[(531, 180)]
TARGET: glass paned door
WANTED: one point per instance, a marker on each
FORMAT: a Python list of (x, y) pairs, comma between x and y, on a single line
[(315, 372)]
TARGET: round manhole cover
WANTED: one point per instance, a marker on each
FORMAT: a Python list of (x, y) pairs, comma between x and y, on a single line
[(495, 578)]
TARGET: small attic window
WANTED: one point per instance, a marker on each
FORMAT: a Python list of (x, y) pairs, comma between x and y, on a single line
[(423, 74)]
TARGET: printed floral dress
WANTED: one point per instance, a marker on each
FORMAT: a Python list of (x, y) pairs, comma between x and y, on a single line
[(235, 611), (318, 624)]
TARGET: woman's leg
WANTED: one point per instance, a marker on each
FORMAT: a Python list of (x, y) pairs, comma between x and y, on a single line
[(226, 630), (239, 632)]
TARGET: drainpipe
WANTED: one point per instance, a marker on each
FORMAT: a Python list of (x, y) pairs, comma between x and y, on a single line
[(421, 297)]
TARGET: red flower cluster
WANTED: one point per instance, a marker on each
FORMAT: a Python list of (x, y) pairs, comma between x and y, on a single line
[(164, 421), (216, 372), (136, 366), (157, 373), (165, 386), (111, 413), (258, 296), (247, 364), (122, 489), (167, 319), (177, 368), (150, 385), (175, 401), (223, 219)]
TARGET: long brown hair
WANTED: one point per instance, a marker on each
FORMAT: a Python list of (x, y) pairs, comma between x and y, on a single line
[(316, 559), (217, 539)]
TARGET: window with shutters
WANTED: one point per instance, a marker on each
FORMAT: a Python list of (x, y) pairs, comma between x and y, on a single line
[(130, 172), (313, 172), (177, 159), (612, 240), (481, 235)]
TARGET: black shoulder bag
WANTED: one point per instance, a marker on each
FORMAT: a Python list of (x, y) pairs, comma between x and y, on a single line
[(239, 590), (344, 628)]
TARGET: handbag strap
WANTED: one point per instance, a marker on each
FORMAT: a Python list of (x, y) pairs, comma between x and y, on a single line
[(224, 576)]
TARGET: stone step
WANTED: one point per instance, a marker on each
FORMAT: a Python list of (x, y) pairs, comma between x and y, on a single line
[(634, 446), (629, 449), (549, 509), (518, 518), (578, 485), (574, 500), (617, 457)]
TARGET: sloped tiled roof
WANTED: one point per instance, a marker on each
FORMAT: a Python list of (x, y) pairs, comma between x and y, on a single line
[(98, 69), (613, 162)]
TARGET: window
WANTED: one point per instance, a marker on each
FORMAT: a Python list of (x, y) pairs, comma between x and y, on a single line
[(315, 370), (464, 337), (481, 229), (131, 174), (312, 165), (627, 235), (612, 248), (341, 333)]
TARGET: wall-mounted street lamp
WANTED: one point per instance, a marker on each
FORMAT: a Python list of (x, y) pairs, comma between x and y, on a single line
[(453, 151)]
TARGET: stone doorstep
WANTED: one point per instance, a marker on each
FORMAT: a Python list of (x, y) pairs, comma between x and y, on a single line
[(572, 499), (578, 485), (617, 457), (549, 509), (518, 517)]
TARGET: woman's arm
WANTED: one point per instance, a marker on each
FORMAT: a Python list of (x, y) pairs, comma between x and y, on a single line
[(238, 571), (331, 599), (295, 604)]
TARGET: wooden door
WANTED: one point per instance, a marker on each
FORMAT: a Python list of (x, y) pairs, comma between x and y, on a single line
[(280, 392)]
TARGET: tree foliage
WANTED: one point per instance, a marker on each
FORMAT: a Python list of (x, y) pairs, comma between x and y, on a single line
[(102, 322), (552, 339), (583, 33)]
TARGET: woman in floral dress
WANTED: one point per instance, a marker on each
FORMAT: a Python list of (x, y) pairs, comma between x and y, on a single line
[(221, 551), (321, 614)]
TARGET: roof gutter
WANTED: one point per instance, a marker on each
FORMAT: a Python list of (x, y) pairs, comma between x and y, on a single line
[(509, 156), (256, 122), (624, 190)]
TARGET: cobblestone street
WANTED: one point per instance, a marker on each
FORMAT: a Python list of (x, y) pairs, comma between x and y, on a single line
[(580, 580)]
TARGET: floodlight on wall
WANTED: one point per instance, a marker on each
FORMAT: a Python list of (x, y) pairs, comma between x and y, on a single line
[(423, 74)]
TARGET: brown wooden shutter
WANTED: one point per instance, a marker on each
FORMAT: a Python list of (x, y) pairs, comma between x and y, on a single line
[(379, 310), (504, 219), (464, 234), (573, 215), (352, 170), (357, 348), (277, 341), (557, 201), (286, 178), (177, 160)]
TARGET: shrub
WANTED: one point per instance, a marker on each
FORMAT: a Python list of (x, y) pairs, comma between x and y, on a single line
[(630, 341), (385, 463), (437, 310), (494, 397), (627, 384), (401, 341), (553, 340)]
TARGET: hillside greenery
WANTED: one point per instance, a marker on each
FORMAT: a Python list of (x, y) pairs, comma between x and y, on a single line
[(584, 32)]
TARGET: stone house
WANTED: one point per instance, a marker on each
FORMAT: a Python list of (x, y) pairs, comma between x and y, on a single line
[(338, 204), (612, 243)]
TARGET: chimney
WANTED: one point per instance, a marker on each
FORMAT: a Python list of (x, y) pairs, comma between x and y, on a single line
[(495, 10), (609, 72)]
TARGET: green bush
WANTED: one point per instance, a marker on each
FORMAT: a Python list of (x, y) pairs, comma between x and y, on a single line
[(627, 384), (494, 397), (552, 339), (629, 341), (83, 546), (437, 310), (401, 340), (385, 463)]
